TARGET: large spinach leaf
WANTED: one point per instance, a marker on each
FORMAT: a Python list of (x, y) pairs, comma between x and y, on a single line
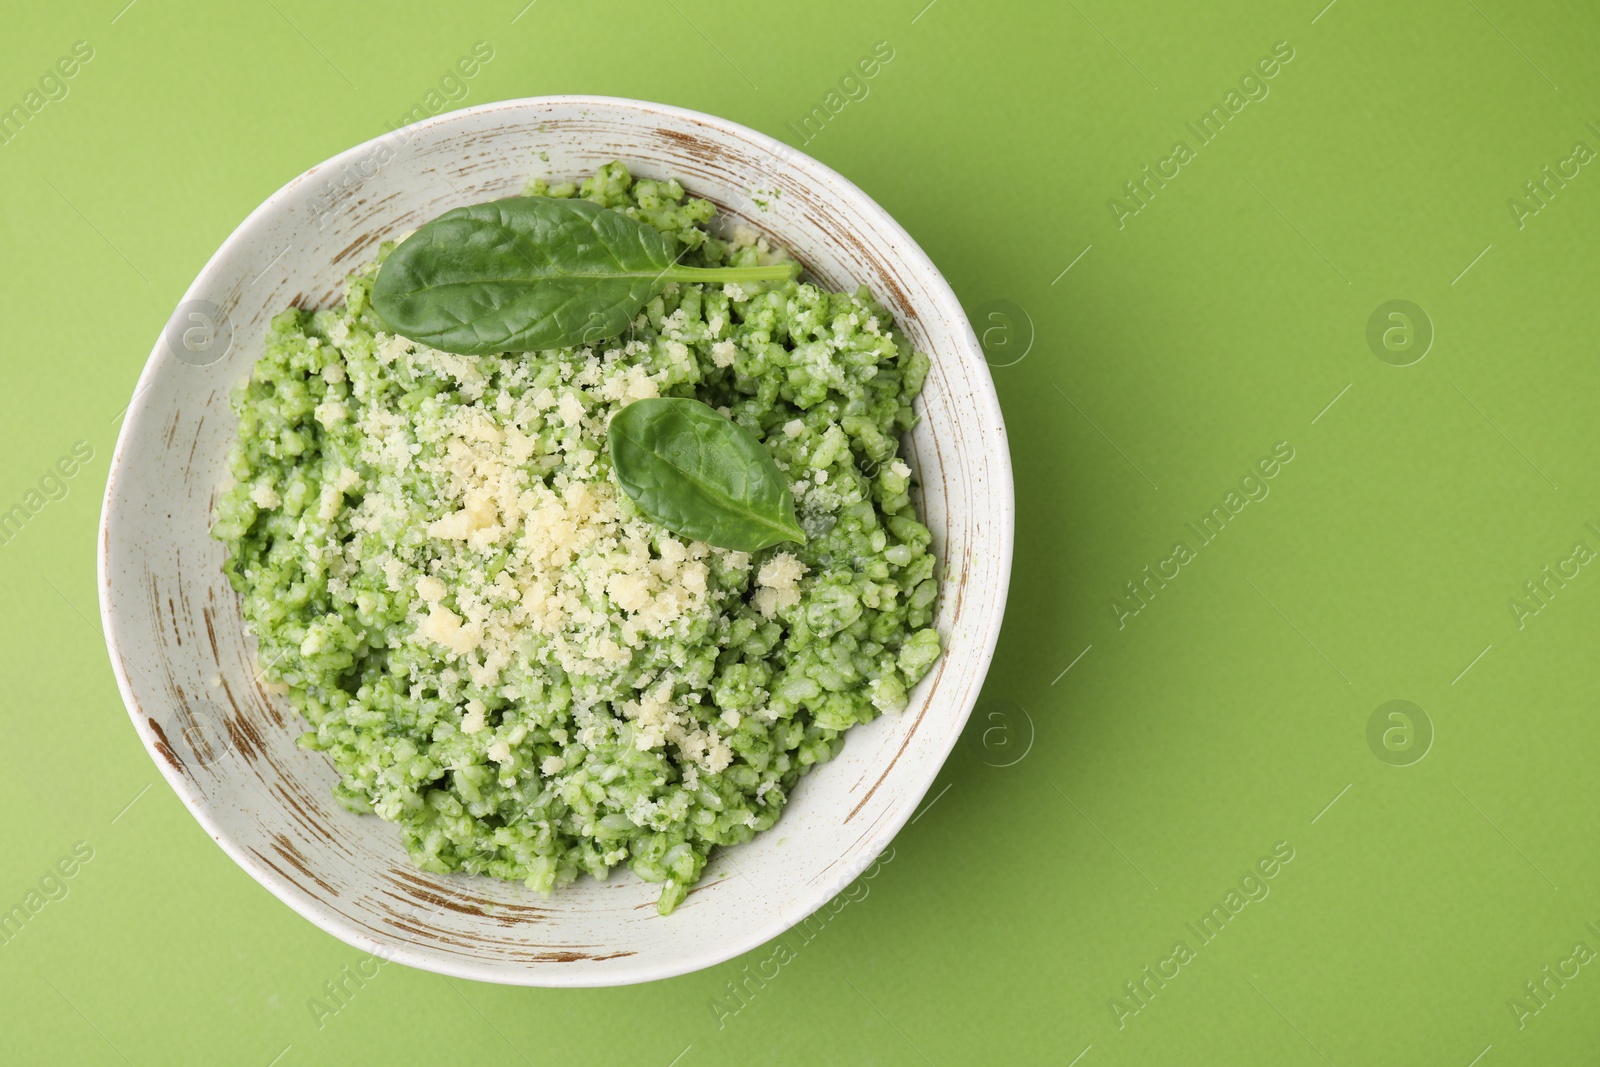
[(532, 272)]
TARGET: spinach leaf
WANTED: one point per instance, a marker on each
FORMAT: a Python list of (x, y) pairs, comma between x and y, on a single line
[(532, 272), (701, 475)]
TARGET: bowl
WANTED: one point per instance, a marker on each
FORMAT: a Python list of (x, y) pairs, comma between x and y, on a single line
[(225, 741)]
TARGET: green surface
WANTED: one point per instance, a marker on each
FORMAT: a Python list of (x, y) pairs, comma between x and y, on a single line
[(1226, 716)]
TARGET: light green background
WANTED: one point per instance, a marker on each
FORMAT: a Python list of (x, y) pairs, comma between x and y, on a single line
[(1177, 351)]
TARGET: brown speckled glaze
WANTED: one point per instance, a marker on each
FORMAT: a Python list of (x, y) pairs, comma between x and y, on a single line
[(226, 743)]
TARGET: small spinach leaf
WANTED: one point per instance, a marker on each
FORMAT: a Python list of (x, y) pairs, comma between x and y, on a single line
[(701, 475), (532, 272)]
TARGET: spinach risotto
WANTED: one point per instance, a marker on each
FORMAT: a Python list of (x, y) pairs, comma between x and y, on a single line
[(500, 652)]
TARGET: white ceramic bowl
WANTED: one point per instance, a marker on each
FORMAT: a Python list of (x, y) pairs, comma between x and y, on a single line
[(226, 744)]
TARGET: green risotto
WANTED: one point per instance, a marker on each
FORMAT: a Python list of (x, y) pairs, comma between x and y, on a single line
[(497, 650)]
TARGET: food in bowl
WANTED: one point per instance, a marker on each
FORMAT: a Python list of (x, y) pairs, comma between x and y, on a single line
[(499, 644)]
